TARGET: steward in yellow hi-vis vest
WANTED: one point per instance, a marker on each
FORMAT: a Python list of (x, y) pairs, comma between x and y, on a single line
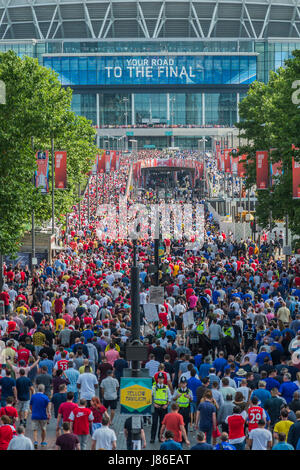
[(161, 398), (183, 397)]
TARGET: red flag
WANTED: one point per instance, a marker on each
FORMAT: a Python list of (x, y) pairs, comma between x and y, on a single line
[(60, 170), (296, 179), (262, 170)]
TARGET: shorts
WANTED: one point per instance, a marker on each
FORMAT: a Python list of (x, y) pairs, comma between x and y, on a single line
[(112, 404), (39, 424), (24, 405), (193, 406)]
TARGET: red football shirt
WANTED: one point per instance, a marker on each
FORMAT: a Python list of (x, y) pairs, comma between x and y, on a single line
[(9, 411), (81, 418), (62, 364), (65, 410), (173, 421), (6, 435), (23, 355), (255, 413), (236, 425)]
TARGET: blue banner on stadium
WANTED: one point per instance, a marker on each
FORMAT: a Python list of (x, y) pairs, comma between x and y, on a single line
[(153, 70)]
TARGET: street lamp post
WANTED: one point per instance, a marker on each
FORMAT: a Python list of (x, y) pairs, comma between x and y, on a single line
[(33, 217), (135, 304), (79, 207), (88, 200), (53, 183)]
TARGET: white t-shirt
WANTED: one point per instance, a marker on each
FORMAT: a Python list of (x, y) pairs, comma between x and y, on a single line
[(104, 438), (143, 298), (260, 438), (245, 391), (87, 383)]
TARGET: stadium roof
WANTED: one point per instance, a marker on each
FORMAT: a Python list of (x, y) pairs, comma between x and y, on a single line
[(144, 19)]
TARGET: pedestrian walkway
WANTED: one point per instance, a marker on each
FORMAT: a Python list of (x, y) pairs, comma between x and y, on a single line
[(118, 427)]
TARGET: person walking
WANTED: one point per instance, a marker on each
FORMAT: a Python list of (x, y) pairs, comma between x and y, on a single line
[(81, 418), (40, 406), (134, 433), (87, 383), (67, 440), (161, 399), (20, 441), (206, 418), (104, 438), (174, 422), (24, 390), (109, 390), (183, 397), (260, 438)]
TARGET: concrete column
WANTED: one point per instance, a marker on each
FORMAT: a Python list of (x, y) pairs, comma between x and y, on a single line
[(132, 110), (203, 109), (98, 110), (168, 108)]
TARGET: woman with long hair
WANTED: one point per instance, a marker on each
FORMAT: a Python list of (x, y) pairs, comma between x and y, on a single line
[(98, 411)]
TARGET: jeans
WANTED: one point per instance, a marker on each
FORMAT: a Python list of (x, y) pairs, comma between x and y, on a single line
[(83, 439), (240, 445), (208, 433), (3, 402)]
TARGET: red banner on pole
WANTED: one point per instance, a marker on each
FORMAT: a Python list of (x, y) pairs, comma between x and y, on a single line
[(242, 166), (42, 173), (262, 170), (218, 155), (101, 161), (296, 179), (113, 160), (60, 170)]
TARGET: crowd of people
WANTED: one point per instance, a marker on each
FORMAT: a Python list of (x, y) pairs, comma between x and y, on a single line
[(222, 355)]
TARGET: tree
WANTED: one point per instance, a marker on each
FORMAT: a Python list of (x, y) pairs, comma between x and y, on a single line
[(36, 106), (270, 120)]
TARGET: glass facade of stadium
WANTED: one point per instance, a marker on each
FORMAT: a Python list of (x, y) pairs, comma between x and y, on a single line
[(158, 83)]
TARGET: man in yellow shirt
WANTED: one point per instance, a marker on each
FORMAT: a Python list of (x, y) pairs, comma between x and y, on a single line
[(22, 310), (86, 363), (283, 425), (175, 270), (60, 323)]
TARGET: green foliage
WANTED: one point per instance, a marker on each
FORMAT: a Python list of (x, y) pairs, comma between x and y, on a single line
[(36, 106), (270, 120)]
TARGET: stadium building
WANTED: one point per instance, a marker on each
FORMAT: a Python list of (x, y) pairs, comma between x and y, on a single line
[(159, 72)]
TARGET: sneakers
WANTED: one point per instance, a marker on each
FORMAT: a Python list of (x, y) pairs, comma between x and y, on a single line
[(35, 444), (44, 444)]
